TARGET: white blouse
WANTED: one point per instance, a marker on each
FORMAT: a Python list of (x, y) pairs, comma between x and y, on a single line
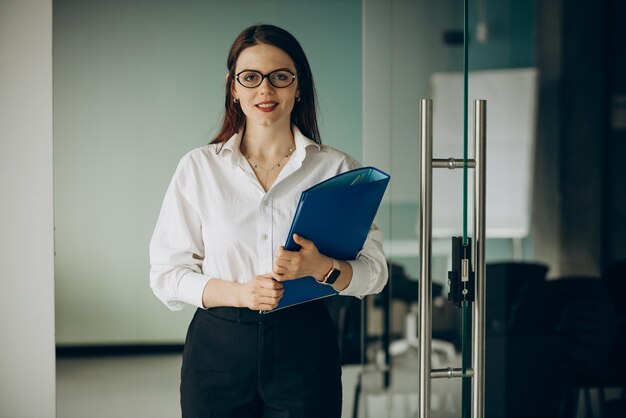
[(217, 221)]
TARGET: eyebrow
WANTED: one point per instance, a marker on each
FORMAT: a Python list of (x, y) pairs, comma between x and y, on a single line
[(278, 69)]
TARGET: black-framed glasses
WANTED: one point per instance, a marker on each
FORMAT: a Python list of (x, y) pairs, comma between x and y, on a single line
[(277, 78)]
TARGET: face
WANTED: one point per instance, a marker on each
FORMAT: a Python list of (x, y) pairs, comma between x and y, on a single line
[(265, 105)]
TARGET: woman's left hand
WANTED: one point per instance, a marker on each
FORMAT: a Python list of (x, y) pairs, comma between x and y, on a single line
[(307, 261)]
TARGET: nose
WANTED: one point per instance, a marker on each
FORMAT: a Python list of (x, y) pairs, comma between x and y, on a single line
[(266, 87)]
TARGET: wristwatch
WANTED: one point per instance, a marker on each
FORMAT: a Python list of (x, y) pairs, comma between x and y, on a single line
[(332, 275)]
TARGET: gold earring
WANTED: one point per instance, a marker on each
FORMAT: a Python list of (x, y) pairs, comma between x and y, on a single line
[(235, 100)]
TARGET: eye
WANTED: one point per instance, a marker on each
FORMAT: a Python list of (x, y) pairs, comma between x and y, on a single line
[(281, 76), (250, 77)]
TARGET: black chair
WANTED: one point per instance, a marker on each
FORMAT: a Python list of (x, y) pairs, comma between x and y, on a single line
[(525, 371), (504, 281), (615, 279), (557, 343), (587, 325)]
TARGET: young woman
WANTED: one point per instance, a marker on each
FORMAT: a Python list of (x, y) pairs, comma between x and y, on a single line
[(217, 246)]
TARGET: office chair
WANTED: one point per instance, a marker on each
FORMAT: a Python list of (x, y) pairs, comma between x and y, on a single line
[(525, 370), (405, 289), (615, 279), (588, 326), (504, 281), (563, 331)]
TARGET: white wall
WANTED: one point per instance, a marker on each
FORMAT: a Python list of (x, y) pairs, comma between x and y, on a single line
[(27, 364)]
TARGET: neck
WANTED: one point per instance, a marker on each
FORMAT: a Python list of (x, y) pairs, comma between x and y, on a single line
[(266, 143)]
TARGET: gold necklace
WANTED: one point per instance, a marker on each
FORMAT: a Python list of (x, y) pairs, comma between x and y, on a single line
[(256, 165)]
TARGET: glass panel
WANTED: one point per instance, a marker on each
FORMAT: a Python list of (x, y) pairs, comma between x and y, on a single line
[(502, 71), (410, 50), (424, 58)]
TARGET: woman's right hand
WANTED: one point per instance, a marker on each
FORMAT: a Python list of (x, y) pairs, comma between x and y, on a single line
[(262, 293)]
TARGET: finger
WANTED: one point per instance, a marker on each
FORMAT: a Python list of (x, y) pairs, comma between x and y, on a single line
[(288, 260), (273, 293), (284, 256), (279, 270), (262, 306), (267, 299), (279, 277), (282, 273), (289, 265), (272, 284), (266, 307), (265, 275), (286, 276), (282, 252), (267, 281), (269, 302), (303, 242)]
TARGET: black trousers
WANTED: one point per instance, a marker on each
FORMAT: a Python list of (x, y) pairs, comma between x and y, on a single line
[(239, 363)]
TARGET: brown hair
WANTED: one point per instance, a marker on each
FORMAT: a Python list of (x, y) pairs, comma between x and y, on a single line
[(303, 114)]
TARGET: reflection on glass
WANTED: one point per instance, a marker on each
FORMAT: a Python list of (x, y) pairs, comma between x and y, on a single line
[(414, 51), (414, 41)]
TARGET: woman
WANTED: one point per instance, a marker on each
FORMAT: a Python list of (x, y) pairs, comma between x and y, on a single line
[(217, 246)]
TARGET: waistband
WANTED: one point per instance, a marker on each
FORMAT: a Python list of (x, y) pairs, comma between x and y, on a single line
[(315, 307)]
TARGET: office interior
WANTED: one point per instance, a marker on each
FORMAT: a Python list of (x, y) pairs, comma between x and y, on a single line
[(100, 99)]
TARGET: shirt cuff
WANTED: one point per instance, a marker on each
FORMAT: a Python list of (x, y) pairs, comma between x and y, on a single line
[(191, 288), (358, 285)]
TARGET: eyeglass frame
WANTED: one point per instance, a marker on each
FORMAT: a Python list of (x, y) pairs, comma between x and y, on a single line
[(266, 76)]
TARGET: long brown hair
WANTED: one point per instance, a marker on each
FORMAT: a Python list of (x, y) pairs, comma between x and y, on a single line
[(303, 114)]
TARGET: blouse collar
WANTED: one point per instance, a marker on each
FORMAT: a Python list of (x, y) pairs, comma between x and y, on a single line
[(231, 148)]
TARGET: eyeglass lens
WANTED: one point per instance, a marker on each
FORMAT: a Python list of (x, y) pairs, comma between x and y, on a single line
[(278, 78)]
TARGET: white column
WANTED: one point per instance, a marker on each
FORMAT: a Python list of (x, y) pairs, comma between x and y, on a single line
[(27, 356)]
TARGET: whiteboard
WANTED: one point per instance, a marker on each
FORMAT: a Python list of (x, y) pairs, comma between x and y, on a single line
[(511, 96)]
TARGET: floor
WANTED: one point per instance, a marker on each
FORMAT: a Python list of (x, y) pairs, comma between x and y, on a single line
[(120, 387), (147, 387)]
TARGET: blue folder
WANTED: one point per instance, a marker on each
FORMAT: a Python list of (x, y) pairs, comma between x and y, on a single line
[(336, 215)]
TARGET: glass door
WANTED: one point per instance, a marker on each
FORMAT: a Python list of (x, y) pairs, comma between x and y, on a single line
[(411, 52)]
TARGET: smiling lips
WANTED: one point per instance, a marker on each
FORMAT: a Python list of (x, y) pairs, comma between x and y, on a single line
[(266, 106)]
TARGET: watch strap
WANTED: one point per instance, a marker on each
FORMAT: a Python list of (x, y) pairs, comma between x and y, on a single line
[(332, 275)]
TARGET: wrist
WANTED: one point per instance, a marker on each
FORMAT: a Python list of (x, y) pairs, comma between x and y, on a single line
[(219, 292), (238, 295), (333, 273), (325, 266)]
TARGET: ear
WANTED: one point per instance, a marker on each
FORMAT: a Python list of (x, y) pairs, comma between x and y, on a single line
[(232, 86)]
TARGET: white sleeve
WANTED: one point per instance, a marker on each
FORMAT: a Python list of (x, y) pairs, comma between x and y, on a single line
[(369, 270), (177, 250)]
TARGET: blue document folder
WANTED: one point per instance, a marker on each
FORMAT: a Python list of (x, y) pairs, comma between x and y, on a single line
[(336, 215)]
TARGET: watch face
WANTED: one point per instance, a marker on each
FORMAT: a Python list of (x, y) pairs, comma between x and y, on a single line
[(333, 276)]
